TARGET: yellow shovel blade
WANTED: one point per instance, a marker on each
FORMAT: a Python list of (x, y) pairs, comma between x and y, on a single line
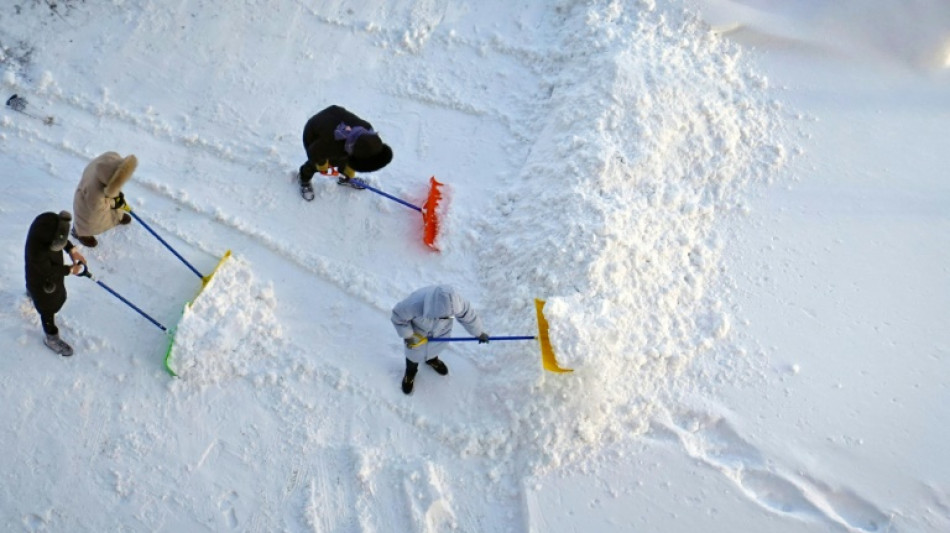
[(206, 279), (547, 353), (204, 283)]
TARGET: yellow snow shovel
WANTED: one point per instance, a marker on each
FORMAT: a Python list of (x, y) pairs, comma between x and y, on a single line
[(547, 353)]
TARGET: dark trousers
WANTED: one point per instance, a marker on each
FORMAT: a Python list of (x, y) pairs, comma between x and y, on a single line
[(307, 171), (49, 323), (411, 369), (47, 307)]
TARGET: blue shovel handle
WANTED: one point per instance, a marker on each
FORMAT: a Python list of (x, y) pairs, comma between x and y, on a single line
[(161, 240), (362, 183), (85, 273), (462, 339)]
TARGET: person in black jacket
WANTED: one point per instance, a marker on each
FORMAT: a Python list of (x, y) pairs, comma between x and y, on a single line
[(337, 138), (46, 271)]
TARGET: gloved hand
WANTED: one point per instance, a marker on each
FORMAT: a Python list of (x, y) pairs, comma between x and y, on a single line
[(324, 167), (76, 257), (415, 341), (347, 172), (483, 338), (119, 201)]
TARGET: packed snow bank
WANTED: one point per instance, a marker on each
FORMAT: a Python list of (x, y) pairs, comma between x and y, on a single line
[(654, 129)]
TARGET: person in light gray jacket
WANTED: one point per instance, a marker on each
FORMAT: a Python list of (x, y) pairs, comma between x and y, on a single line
[(428, 313)]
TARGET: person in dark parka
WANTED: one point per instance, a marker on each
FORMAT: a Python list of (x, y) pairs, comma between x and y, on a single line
[(337, 138), (46, 271)]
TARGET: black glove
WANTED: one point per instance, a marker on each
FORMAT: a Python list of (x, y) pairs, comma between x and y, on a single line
[(119, 201), (483, 338)]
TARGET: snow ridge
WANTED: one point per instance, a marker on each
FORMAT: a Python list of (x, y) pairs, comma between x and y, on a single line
[(650, 137)]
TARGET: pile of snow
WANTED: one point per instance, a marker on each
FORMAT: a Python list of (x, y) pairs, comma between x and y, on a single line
[(654, 130), (229, 330)]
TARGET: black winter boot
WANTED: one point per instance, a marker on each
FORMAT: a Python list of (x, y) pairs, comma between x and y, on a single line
[(438, 366), (306, 189), (408, 380)]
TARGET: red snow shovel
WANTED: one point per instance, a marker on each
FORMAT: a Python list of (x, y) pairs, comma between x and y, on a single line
[(429, 210)]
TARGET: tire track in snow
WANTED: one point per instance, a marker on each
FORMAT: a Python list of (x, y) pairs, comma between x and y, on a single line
[(425, 17), (153, 127), (430, 93), (333, 490)]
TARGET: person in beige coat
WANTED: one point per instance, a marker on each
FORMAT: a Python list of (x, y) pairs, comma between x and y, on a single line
[(98, 203)]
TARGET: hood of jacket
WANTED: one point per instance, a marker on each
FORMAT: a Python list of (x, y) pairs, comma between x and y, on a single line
[(439, 302), (42, 232), (113, 171)]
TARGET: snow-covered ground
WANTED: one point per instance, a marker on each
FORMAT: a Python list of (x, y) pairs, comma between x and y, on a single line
[(736, 211)]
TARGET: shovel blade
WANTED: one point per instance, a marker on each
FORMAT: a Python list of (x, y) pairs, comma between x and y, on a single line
[(206, 279), (547, 352), (430, 214)]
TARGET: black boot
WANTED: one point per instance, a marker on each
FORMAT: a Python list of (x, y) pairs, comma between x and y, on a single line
[(306, 188), (408, 380), (438, 366)]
